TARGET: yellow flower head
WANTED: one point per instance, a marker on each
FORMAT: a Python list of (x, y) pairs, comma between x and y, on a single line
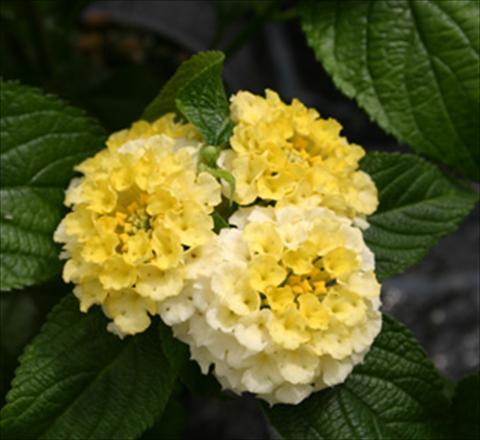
[(288, 154), (289, 305), (138, 213)]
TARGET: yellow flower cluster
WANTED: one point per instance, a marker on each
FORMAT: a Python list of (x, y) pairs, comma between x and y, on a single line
[(283, 302), (288, 154), (139, 215), (289, 306)]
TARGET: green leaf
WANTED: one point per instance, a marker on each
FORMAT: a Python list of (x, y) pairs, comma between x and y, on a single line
[(395, 394), (19, 318), (22, 314), (466, 408), (171, 425), (41, 139), (219, 222), (418, 206), (413, 65), (77, 381), (196, 91)]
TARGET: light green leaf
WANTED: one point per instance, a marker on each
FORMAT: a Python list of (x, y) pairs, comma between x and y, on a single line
[(41, 139), (395, 394), (196, 91), (77, 381), (466, 409), (413, 65), (418, 206)]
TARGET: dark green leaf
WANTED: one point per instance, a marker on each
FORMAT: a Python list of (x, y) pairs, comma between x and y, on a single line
[(188, 71), (22, 314), (19, 318), (466, 408), (219, 222), (41, 139), (395, 394), (77, 381), (413, 65), (418, 206), (196, 91), (171, 425)]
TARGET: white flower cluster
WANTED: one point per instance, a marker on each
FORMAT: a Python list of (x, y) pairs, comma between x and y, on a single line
[(285, 303)]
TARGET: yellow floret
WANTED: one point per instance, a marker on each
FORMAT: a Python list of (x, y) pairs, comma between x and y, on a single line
[(262, 239), (289, 329), (313, 311), (300, 259), (264, 272), (340, 261), (168, 248), (117, 274), (138, 213)]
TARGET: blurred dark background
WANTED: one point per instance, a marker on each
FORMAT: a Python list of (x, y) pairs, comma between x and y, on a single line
[(112, 57)]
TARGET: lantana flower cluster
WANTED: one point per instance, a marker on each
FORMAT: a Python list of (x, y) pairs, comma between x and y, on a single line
[(288, 154), (282, 302), (288, 306), (139, 216)]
